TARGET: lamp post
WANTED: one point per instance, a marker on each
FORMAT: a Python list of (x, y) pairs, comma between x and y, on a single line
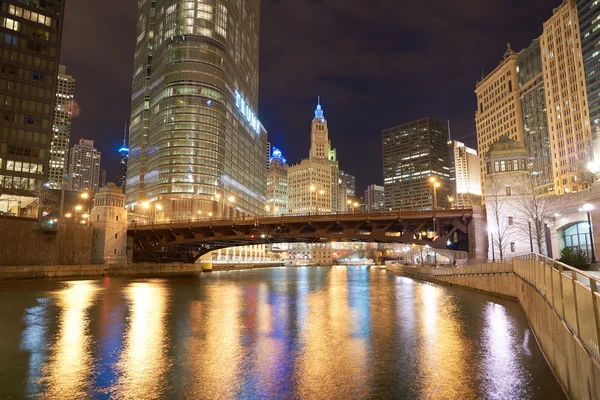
[(436, 185), (530, 236), (588, 209)]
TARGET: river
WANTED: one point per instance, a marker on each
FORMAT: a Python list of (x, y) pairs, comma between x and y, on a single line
[(311, 333)]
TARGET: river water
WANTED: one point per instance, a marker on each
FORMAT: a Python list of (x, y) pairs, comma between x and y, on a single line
[(311, 333)]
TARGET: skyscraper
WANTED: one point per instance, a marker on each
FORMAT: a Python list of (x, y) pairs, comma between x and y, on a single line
[(63, 117), (350, 181), (315, 185), (195, 138), (498, 108), (277, 184), (32, 32), (375, 198), (84, 167), (468, 177), (535, 117), (566, 99), (123, 158), (412, 154), (589, 27)]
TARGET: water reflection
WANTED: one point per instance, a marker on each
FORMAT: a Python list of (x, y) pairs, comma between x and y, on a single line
[(143, 364), (70, 367), (322, 333)]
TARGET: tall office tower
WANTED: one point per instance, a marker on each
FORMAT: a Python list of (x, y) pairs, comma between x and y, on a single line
[(375, 198), (350, 181), (498, 108), (589, 26), (195, 139), (412, 154), (566, 99), (84, 167), (468, 177), (268, 154), (123, 159), (315, 185), (535, 118), (277, 184), (63, 116), (31, 36)]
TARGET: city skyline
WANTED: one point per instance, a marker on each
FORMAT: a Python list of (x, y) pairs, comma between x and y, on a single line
[(362, 99)]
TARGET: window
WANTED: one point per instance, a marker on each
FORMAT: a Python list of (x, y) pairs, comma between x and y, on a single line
[(115, 235), (508, 191), (510, 221), (512, 247), (117, 219)]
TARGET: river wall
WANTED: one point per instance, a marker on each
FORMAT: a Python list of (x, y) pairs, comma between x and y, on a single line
[(92, 271), (577, 370)]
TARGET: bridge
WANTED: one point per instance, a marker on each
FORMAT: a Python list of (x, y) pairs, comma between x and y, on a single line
[(186, 241)]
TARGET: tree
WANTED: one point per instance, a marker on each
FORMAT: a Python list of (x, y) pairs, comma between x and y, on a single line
[(575, 258), (583, 173), (499, 227)]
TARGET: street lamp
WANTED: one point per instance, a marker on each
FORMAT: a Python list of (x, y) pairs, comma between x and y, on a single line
[(85, 195), (588, 209), (436, 185), (451, 200)]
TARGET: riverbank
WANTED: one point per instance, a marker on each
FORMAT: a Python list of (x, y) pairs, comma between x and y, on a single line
[(91, 271), (572, 358)]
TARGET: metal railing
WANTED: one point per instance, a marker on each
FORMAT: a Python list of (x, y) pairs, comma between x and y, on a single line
[(571, 292)]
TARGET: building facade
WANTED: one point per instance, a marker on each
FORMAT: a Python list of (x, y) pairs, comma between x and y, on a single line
[(468, 176), (566, 99), (413, 154), (84, 167), (589, 28), (498, 108), (61, 135), (535, 117), (31, 39), (375, 198), (316, 184), (277, 184), (195, 139), (109, 219)]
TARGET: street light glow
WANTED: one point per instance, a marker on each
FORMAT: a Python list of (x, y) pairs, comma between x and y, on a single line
[(158, 207), (587, 207), (146, 205), (78, 207), (313, 188), (231, 199), (85, 195)]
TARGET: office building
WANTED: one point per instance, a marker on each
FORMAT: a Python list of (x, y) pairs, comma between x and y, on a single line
[(84, 167), (566, 99), (61, 135), (375, 198), (589, 28), (268, 154), (102, 179), (196, 144), (31, 38), (315, 185), (468, 177), (413, 154), (535, 117), (498, 107), (122, 166), (277, 184)]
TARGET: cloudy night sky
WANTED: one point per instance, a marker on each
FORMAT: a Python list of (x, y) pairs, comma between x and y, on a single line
[(375, 64)]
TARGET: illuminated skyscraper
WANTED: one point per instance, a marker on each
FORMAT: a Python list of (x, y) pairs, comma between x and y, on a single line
[(277, 184), (61, 135), (123, 158), (468, 177), (31, 39), (84, 167), (375, 198), (195, 139), (412, 154), (589, 27)]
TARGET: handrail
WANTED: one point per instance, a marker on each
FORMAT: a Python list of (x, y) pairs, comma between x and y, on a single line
[(563, 265)]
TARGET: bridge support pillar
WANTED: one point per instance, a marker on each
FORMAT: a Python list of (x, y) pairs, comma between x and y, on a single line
[(478, 237), (207, 266)]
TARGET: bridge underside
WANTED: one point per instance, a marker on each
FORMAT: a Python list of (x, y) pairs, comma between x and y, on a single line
[(188, 241)]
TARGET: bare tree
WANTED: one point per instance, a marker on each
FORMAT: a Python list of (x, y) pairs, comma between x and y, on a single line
[(499, 227), (583, 173)]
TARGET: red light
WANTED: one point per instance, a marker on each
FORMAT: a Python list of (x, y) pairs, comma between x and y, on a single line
[(251, 236)]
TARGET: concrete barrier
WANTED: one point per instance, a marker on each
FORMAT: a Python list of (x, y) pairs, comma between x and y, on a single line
[(567, 330)]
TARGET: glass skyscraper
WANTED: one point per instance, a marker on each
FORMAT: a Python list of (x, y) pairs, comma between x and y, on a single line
[(196, 145), (589, 26)]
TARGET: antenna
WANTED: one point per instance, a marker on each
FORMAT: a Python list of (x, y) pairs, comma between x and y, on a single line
[(449, 135), (125, 136)]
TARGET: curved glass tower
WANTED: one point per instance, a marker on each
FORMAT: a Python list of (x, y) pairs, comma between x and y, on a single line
[(197, 147)]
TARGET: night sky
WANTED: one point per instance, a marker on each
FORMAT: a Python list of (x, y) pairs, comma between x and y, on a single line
[(375, 64)]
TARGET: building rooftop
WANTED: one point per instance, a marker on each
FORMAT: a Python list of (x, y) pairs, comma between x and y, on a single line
[(505, 145)]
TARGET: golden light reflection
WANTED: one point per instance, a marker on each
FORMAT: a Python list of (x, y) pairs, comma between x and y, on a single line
[(329, 345), (444, 355), (70, 366), (215, 349), (143, 364)]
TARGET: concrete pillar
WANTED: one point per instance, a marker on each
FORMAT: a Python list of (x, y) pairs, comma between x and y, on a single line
[(478, 235)]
